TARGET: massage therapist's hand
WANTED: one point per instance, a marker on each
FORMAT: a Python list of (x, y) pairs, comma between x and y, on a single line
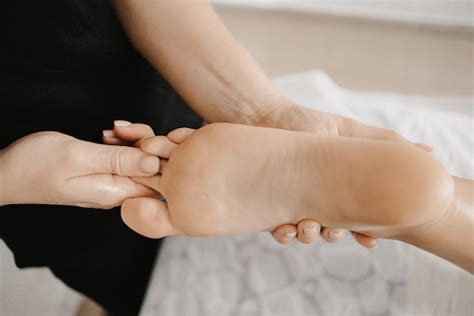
[(53, 168), (291, 116)]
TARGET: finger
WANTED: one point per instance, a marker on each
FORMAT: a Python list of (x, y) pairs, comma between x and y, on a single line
[(285, 234), (425, 147), (365, 241), (179, 135), (114, 141), (358, 129), (148, 217), (118, 160), (105, 191), (108, 137), (332, 234), (308, 231), (159, 145), (132, 133), (150, 182), (353, 128)]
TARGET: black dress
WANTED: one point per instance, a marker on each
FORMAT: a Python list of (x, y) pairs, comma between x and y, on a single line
[(67, 66)]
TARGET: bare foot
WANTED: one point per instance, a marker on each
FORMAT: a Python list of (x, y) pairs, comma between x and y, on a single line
[(227, 179), (306, 231)]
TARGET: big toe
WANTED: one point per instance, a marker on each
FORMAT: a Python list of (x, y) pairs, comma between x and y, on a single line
[(179, 135), (160, 146), (148, 217)]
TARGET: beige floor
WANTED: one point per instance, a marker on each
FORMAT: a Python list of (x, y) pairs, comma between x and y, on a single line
[(358, 54)]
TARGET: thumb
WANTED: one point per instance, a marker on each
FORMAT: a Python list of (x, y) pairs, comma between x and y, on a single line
[(122, 161)]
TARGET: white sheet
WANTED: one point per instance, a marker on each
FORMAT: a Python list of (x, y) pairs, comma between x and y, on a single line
[(252, 275)]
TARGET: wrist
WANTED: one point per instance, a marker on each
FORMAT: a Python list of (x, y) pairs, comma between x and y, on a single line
[(275, 113)]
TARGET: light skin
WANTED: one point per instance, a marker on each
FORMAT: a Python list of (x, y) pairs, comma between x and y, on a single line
[(306, 230), (231, 88), (226, 179), (185, 40), (57, 169), (247, 98), (54, 168)]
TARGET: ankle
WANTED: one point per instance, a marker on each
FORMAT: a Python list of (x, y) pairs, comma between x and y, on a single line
[(459, 209), (449, 237), (429, 230)]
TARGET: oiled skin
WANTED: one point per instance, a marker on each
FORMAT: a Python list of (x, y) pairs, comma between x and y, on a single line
[(229, 179)]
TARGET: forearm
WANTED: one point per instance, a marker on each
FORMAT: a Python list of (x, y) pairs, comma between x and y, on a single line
[(190, 46), (452, 237), (3, 191)]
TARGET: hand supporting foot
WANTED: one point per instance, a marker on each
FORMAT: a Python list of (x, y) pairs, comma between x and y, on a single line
[(126, 133)]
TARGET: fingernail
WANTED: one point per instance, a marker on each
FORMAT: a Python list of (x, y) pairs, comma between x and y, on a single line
[(371, 248), (309, 230), (121, 123), (149, 164), (290, 235), (108, 133), (335, 234)]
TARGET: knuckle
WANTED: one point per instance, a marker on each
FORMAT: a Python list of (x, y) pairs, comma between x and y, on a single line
[(118, 161), (48, 133), (348, 126)]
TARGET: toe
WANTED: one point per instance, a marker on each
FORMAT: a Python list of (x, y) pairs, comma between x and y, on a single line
[(285, 234), (332, 234), (150, 182), (148, 217), (163, 165), (308, 231), (365, 241), (179, 135), (159, 145)]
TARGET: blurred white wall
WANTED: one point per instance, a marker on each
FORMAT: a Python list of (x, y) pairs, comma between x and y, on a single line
[(448, 13)]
